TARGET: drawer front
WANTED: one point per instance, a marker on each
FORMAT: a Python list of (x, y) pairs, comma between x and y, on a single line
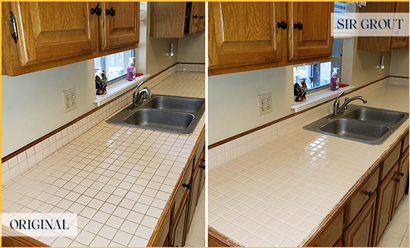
[(405, 143), (391, 160), (330, 234), (362, 196), (182, 190)]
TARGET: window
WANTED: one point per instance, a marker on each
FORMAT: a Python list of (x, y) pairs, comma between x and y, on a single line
[(114, 65), (318, 74)]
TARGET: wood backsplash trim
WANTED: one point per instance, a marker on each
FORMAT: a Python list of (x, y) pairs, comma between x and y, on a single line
[(48, 135), (290, 116)]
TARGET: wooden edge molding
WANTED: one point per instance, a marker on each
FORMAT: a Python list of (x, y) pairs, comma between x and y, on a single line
[(12, 238), (48, 135), (353, 190), (154, 237), (221, 239), (237, 136)]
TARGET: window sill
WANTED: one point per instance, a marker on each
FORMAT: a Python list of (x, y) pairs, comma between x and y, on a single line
[(318, 97), (119, 88)]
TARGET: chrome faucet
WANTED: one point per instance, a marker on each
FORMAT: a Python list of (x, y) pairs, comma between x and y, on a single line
[(337, 109), (138, 95)]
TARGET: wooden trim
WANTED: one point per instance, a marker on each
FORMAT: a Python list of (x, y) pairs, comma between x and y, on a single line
[(167, 210), (48, 135), (223, 240), (12, 238), (237, 136)]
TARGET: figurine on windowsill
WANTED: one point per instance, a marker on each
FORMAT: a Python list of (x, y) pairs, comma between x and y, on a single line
[(101, 83), (300, 91)]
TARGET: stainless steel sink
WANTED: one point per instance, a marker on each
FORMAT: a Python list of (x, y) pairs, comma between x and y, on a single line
[(163, 113), (363, 124)]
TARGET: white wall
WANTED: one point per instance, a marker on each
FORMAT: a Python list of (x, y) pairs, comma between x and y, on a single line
[(33, 105), (233, 104), (399, 65), (191, 49)]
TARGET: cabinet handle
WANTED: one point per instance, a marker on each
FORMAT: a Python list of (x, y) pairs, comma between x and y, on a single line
[(202, 17), (298, 25), (96, 11), (282, 25), (188, 186), (401, 174), (195, 16), (368, 193), (13, 27), (397, 180), (202, 166), (110, 12)]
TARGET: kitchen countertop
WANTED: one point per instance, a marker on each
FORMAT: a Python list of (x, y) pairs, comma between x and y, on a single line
[(280, 192), (117, 179)]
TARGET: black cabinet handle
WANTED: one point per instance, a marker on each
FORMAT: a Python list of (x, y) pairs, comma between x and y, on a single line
[(202, 17), (96, 11), (282, 25), (110, 12), (188, 186), (202, 166), (368, 193), (195, 16), (401, 174), (397, 180), (298, 25)]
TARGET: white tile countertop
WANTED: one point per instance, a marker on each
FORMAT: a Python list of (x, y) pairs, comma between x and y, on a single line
[(278, 193), (117, 179)]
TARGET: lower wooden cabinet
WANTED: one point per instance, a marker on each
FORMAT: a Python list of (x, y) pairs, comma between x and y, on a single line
[(177, 232), (401, 179)]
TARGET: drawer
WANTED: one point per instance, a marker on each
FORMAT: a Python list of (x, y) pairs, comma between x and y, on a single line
[(360, 197), (179, 198), (391, 160), (405, 143), (331, 233)]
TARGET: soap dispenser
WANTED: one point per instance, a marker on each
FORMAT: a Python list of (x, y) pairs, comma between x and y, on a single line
[(334, 80), (130, 69)]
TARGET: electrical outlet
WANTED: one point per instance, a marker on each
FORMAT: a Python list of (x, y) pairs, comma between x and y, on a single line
[(265, 103), (70, 99)]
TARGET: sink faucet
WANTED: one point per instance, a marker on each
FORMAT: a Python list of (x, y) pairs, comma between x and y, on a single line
[(138, 95), (337, 109)]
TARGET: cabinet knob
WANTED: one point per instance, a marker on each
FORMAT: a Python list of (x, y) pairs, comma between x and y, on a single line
[(298, 25), (96, 11), (188, 186), (202, 17), (282, 25), (401, 174), (368, 193), (397, 180), (202, 166), (110, 12), (195, 16)]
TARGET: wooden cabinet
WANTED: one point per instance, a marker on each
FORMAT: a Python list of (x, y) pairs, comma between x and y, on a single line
[(309, 34), (120, 26), (401, 179), (254, 35), (360, 232), (383, 43), (384, 204), (202, 20), (175, 19), (178, 226), (332, 235), (51, 34)]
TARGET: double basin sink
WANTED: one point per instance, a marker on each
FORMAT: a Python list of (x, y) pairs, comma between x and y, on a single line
[(359, 123), (163, 113)]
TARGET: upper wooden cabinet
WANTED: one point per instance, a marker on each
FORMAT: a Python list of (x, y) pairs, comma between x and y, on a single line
[(120, 27), (383, 44), (256, 35), (176, 20), (310, 35), (51, 34)]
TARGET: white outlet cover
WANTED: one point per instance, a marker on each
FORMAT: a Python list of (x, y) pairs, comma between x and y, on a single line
[(69, 100), (265, 103)]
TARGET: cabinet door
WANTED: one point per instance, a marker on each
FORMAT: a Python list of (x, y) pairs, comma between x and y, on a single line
[(384, 204), (178, 226), (194, 18), (201, 26), (167, 20), (122, 29), (312, 38), (401, 179), (400, 42), (50, 31), (360, 232), (244, 33), (194, 194)]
